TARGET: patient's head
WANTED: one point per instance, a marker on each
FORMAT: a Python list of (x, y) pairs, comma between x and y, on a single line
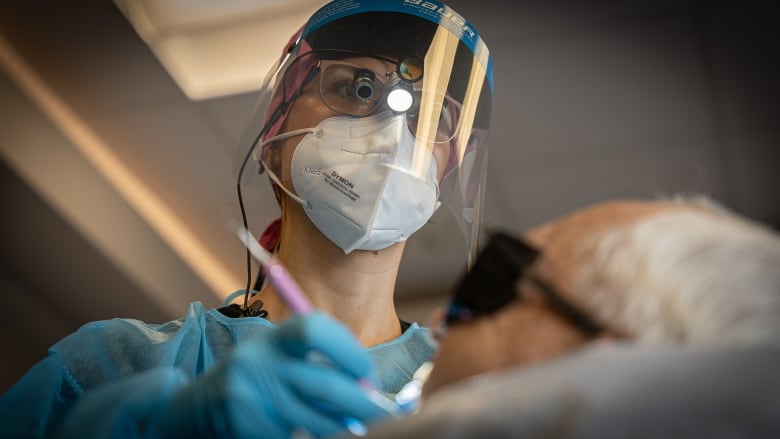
[(675, 271)]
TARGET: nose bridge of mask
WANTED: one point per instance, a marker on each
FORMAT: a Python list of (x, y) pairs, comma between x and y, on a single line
[(379, 127), (383, 137), (411, 157)]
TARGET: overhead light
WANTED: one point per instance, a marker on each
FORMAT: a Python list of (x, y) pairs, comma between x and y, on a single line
[(217, 48)]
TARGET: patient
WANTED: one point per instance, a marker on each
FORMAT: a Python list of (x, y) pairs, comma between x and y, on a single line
[(683, 272), (675, 285)]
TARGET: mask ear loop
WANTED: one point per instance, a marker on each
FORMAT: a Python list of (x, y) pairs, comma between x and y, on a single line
[(272, 174)]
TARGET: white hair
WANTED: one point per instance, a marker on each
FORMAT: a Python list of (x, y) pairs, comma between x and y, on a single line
[(697, 274)]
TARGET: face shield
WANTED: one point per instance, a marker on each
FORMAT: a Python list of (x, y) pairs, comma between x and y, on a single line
[(417, 62)]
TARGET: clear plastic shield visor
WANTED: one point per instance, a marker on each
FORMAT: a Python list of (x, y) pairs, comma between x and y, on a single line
[(437, 85)]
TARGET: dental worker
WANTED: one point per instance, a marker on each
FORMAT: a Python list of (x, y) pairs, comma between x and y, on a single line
[(375, 116)]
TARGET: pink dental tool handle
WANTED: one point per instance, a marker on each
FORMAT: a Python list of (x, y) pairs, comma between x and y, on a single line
[(286, 286)]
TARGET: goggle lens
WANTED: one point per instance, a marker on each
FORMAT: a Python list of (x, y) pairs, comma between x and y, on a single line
[(357, 91)]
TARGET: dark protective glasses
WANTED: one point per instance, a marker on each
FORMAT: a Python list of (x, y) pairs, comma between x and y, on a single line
[(493, 282)]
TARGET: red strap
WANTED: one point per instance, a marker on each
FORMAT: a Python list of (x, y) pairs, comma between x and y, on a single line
[(270, 237)]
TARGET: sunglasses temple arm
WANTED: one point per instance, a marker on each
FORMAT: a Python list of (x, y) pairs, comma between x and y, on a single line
[(573, 314)]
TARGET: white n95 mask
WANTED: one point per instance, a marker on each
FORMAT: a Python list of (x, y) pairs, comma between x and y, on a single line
[(355, 181)]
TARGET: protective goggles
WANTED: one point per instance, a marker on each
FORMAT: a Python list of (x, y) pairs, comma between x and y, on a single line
[(360, 85), (493, 282)]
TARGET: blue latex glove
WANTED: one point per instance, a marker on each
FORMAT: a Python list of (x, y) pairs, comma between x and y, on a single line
[(122, 409), (270, 386)]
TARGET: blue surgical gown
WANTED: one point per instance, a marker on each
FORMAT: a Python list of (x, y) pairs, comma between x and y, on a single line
[(114, 350)]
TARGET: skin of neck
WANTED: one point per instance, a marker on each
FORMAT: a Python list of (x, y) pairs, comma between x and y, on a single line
[(356, 289)]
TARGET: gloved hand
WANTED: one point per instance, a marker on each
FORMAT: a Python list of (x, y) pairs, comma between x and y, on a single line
[(270, 386)]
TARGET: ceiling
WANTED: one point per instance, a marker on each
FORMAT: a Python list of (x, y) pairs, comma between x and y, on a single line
[(211, 48), (115, 183)]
